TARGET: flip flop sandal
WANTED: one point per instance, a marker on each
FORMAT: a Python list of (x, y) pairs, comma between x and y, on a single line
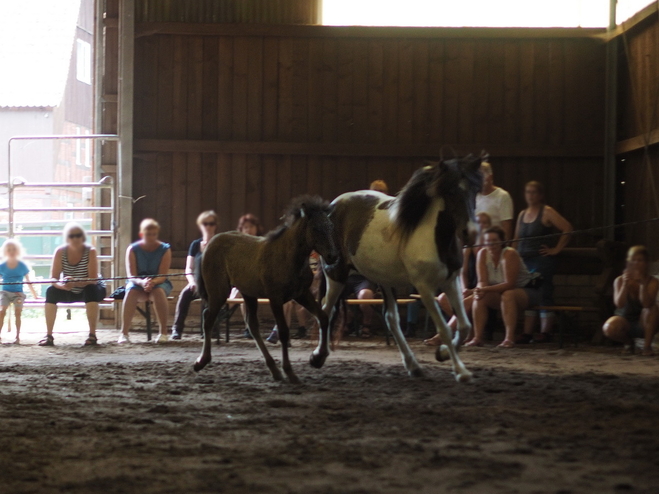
[(47, 341), (91, 340)]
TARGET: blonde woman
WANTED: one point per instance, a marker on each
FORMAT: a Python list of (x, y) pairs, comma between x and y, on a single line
[(147, 264), (635, 298), (74, 274), (207, 223)]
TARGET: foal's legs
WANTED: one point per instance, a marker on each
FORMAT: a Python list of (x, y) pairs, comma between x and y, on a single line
[(309, 303), (217, 297), (252, 321), (284, 338), (393, 322), (430, 302)]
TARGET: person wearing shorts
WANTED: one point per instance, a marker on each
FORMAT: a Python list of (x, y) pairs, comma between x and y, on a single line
[(635, 297), (13, 272), (359, 286), (147, 265), (504, 283)]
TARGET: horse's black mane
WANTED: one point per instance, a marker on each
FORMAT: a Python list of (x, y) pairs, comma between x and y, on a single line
[(437, 179), (311, 205)]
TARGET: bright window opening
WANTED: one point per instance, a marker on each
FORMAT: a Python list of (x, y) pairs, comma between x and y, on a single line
[(477, 13), (83, 61)]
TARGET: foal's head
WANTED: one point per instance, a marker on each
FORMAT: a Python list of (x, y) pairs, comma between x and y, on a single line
[(318, 230)]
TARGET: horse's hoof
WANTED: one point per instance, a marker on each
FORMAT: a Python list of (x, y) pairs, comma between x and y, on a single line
[(277, 376), (441, 354), (293, 379), (317, 361), (464, 377), (200, 364), (418, 372)]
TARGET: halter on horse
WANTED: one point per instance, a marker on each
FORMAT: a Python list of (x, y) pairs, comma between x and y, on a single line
[(414, 239), (275, 267)]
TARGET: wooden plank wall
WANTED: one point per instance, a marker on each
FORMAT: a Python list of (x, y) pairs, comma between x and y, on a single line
[(639, 114), (244, 123), (639, 81)]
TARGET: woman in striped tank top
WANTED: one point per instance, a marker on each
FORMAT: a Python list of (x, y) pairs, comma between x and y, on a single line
[(72, 262)]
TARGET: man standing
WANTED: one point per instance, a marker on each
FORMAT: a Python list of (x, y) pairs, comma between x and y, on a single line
[(495, 201)]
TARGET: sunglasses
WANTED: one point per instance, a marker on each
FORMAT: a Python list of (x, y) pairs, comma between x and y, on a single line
[(75, 235), (208, 224)]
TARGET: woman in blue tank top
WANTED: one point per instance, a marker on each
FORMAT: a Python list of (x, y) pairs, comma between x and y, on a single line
[(539, 254), (145, 260)]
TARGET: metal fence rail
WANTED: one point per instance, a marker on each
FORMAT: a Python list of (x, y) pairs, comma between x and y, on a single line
[(15, 185)]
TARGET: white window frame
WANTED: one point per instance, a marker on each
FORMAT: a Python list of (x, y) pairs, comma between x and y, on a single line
[(83, 61)]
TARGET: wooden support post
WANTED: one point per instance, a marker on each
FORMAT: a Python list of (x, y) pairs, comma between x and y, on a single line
[(610, 124), (125, 165)]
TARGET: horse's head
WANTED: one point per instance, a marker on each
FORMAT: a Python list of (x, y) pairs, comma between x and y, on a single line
[(459, 184), (319, 229), (455, 181)]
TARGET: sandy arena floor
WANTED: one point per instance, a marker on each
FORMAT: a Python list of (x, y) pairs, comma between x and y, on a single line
[(138, 419)]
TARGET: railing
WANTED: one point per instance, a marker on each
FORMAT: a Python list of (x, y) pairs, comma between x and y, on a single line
[(14, 185)]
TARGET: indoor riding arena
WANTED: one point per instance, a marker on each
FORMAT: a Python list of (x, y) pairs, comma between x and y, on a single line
[(443, 271)]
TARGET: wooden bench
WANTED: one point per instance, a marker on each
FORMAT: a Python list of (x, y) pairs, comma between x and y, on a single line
[(561, 310), (233, 303), (106, 303)]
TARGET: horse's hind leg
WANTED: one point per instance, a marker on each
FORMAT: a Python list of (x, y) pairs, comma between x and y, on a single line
[(454, 295), (284, 338), (215, 305), (308, 301), (252, 320), (430, 302), (393, 322)]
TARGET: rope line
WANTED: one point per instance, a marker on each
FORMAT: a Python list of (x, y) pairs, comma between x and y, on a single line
[(575, 232), (170, 275)]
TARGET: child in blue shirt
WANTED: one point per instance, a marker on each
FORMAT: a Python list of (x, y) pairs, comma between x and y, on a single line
[(13, 270)]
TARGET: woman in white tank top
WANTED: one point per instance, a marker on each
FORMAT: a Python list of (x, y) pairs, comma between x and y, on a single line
[(503, 283)]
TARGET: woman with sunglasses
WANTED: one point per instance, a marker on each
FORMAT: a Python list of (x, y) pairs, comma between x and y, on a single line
[(74, 274), (207, 222)]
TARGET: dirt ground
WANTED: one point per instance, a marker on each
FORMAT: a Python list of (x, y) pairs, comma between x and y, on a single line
[(138, 419)]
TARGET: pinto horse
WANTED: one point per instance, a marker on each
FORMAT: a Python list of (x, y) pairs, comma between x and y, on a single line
[(412, 239), (275, 267)]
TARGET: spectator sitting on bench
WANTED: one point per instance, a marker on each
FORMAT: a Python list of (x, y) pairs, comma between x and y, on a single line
[(74, 261), (468, 275), (207, 223), (503, 281), (635, 296), (305, 320), (363, 289), (539, 254), (13, 270), (249, 225), (144, 260)]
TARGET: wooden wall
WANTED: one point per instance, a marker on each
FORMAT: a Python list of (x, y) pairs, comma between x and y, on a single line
[(638, 111), (241, 119)]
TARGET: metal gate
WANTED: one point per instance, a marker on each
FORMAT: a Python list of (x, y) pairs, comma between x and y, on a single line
[(104, 239)]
